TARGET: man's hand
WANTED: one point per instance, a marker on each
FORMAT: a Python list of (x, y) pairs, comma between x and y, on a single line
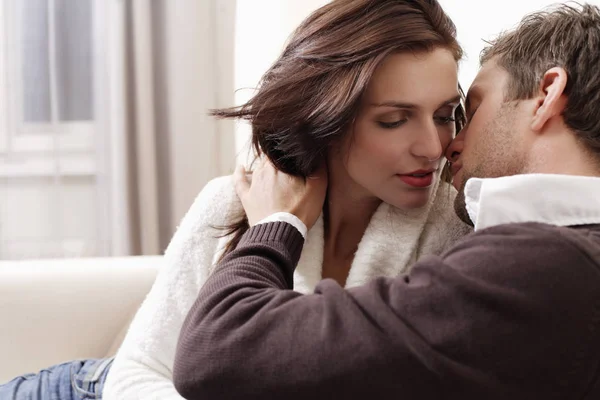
[(271, 191)]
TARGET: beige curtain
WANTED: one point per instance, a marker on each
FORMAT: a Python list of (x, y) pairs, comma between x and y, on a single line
[(179, 64)]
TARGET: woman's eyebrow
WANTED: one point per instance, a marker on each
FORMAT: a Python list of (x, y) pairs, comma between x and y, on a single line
[(455, 100), (395, 104), (400, 104)]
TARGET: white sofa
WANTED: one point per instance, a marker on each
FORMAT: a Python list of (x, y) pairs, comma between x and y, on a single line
[(53, 311)]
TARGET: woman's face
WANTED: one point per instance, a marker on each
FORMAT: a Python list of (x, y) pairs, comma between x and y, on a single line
[(396, 145)]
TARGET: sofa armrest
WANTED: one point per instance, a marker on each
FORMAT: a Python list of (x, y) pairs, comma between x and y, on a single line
[(53, 311)]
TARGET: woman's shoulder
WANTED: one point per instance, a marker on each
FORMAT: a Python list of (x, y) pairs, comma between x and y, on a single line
[(220, 188), (216, 204), (215, 207)]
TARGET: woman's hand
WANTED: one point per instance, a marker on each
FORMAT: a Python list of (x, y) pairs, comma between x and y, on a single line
[(271, 191)]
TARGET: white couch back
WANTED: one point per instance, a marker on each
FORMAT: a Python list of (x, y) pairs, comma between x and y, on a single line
[(53, 311)]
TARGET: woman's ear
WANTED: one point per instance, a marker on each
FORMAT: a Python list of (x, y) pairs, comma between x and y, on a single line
[(551, 100)]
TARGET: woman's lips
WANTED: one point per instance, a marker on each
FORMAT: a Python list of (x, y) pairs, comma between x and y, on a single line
[(422, 180)]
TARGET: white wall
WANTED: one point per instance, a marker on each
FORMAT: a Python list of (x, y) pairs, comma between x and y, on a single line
[(262, 28), (478, 20)]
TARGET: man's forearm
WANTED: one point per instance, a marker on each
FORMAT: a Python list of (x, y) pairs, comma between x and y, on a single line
[(247, 337), (261, 267), (459, 327)]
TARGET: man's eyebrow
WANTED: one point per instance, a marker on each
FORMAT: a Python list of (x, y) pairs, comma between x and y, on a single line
[(468, 103), (471, 95)]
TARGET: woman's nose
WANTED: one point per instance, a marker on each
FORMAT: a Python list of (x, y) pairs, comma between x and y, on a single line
[(429, 146)]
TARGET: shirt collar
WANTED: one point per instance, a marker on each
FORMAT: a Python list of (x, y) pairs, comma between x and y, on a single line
[(562, 200)]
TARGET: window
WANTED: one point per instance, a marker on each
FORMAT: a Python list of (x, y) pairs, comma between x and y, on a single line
[(52, 128)]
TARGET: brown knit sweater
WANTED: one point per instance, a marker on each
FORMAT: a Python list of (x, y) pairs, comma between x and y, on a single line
[(511, 312)]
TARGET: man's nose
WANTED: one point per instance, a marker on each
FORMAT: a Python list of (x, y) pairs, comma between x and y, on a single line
[(456, 147)]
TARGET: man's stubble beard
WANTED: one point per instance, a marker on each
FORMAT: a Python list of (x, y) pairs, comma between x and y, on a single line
[(495, 158)]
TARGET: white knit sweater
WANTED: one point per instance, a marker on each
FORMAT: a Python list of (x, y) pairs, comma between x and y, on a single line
[(394, 239)]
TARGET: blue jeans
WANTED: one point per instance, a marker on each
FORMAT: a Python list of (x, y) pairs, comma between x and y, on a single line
[(75, 380)]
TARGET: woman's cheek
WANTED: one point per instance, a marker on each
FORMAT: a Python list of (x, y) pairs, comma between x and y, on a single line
[(446, 138)]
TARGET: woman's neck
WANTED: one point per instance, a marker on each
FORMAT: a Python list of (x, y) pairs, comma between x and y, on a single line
[(349, 209)]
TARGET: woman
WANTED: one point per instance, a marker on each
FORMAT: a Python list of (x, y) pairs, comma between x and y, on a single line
[(371, 88)]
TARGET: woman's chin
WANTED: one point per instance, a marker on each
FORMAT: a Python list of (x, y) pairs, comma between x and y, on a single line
[(409, 200)]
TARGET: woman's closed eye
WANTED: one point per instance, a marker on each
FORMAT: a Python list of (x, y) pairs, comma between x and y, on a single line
[(441, 120), (393, 120), (392, 124)]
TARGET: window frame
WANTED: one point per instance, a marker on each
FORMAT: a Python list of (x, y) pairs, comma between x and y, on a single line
[(25, 146)]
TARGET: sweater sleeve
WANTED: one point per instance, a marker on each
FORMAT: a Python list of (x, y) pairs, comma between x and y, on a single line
[(143, 367), (474, 323)]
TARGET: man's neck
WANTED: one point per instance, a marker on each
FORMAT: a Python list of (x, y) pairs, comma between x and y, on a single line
[(559, 152)]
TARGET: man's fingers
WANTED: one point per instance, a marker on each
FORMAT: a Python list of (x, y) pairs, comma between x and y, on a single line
[(242, 186)]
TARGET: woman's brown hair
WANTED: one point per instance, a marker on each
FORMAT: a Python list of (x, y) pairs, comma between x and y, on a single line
[(308, 98)]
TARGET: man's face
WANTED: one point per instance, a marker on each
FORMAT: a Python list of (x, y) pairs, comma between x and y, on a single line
[(491, 144)]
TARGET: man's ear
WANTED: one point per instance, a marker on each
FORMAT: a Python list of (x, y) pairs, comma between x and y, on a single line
[(551, 101)]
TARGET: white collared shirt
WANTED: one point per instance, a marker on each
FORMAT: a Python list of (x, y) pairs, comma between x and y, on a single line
[(561, 200), (286, 217)]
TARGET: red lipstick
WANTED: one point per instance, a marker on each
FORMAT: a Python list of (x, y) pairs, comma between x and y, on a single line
[(420, 179)]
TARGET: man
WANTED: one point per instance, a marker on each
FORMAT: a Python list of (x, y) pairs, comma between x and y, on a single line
[(512, 312)]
